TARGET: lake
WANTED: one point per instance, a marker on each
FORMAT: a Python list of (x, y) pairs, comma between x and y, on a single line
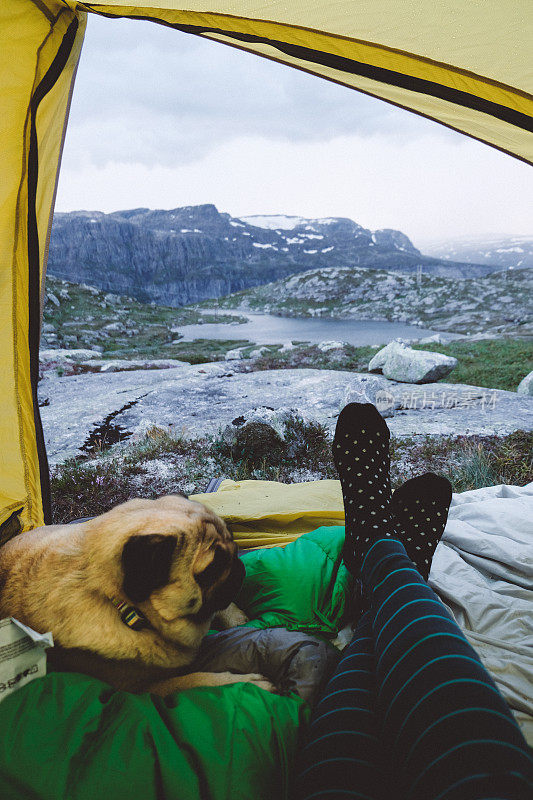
[(268, 329)]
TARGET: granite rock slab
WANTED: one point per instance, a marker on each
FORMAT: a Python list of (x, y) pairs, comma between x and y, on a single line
[(196, 400)]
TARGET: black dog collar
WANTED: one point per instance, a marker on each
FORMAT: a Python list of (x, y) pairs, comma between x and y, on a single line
[(131, 616)]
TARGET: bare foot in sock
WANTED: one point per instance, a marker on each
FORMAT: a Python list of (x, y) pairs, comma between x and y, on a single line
[(361, 455), (420, 510)]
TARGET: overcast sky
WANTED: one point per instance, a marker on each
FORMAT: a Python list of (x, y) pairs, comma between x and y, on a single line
[(163, 119)]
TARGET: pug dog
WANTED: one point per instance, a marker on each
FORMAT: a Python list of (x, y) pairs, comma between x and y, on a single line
[(128, 595)]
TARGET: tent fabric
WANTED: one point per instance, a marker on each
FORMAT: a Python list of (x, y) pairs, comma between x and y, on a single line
[(39, 51), (465, 65)]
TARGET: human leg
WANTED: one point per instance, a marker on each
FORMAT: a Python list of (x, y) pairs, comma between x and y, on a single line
[(340, 758), (445, 727)]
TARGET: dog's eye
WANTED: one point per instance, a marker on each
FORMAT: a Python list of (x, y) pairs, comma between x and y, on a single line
[(212, 573)]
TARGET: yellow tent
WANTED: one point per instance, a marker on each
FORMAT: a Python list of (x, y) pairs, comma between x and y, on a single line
[(464, 63)]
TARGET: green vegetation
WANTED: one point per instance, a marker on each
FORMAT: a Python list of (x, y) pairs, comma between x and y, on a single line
[(163, 462), (83, 317), (493, 363), (200, 351), (469, 462)]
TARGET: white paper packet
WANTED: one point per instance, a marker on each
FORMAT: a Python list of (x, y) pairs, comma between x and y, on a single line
[(22, 655)]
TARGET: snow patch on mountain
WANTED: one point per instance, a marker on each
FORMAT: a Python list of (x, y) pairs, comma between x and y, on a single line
[(283, 222)]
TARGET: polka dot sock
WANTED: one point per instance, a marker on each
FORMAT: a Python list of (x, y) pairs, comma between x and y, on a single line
[(420, 509), (361, 455)]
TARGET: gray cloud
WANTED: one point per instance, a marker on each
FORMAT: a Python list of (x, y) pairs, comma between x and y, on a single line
[(148, 94)]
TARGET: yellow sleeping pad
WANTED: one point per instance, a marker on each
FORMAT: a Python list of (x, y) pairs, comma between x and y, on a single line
[(271, 514)]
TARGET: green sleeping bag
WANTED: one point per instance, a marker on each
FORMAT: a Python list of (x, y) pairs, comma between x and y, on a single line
[(71, 737)]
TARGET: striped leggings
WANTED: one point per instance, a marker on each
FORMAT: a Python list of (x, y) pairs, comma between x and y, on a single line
[(411, 713)]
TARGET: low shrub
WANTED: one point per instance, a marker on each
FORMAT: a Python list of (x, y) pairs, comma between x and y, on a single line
[(163, 462)]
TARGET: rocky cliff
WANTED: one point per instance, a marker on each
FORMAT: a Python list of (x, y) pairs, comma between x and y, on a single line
[(190, 254)]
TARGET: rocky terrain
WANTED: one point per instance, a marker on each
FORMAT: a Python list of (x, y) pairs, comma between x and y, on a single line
[(195, 401), (500, 303), (504, 252), (81, 317), (130, 409), (187, 255)]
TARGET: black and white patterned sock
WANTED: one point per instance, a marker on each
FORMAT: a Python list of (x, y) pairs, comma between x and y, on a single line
[(420, 510), (361, 455)]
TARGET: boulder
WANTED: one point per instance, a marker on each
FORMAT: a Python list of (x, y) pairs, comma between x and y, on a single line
[(325, 347), (124, 365), (479, 337), (526, 385), (401, 363), (50, 297), (264, 415), (260, 351), (418, 366), (377, 363), (258, 435), (435, 339), (233, 355), (75, 354)]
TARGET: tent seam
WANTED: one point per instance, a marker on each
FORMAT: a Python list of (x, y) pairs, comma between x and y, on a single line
[(404, 81), (328, 34), (28, 502), (339, 82), (44, 10), (51, 217), (45, 85)]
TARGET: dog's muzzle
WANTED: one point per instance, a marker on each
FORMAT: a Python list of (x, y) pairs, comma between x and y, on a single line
[(224, 594)]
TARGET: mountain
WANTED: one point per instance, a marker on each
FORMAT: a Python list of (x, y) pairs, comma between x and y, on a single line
[(498, 304), (190, 254), (503, 252)]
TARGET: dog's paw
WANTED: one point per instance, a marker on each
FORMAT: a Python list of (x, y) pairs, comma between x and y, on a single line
[(226, 678), (251, 677), (230, 617)]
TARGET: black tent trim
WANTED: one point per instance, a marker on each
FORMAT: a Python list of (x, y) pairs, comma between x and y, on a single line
[(47, 83), (352, 67)]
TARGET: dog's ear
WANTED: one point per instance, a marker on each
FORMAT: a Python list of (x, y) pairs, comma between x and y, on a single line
[(146, 561)]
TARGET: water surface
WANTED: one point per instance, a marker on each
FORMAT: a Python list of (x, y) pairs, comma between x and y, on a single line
[(268, 329)]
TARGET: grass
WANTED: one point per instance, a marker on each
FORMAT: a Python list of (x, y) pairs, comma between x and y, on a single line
[(310, 356), (469, 462), (493, 363), (163, 462), (200, 351)]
